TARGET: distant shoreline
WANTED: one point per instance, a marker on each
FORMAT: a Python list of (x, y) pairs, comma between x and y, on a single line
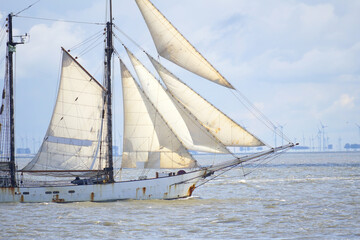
[(239, 154)]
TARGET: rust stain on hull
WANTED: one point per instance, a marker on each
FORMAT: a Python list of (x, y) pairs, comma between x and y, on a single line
[(191, 189), (144, 190), (56, 199), (8, 189), (92, 196)]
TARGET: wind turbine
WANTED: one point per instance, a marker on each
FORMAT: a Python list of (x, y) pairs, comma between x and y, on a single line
[(323, 134), (319, 138)]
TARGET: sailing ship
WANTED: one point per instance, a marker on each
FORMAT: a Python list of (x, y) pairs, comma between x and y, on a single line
[(164, 123)]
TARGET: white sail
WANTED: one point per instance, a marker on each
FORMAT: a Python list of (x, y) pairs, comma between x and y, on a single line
[(148, 140), (191, 133), (220, 125), (173, 46), (72, 138)]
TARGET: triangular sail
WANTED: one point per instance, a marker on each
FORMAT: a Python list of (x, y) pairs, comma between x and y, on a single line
[(148, 140), (73, 136), (173, 46), (220, 125), (192, 134)]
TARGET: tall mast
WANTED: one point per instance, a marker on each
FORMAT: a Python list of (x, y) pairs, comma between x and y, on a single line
[(11, 49), (108, 52)]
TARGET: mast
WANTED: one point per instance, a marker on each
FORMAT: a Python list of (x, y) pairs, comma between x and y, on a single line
[(11, 49), (108, 53)]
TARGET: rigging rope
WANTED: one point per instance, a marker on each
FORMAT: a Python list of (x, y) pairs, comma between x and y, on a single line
[(96, 35), (60, 20), (261, 161), (265, 160), (90, 47), (27, 7), (210, 179), (128, 37), (2, 37), (3, 32), (258, 114)]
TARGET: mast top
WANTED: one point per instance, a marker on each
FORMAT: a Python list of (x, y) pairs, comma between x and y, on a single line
[(110, 20), (108, 54)]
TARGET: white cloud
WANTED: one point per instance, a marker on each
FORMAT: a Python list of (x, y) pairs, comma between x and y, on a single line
[(296, 57), (317, 65), (44, 46), (299, 59), (345, 101)]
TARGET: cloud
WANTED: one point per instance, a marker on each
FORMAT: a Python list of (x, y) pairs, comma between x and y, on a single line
[(343, 109), (298, 60), (345, 101), (43, 49), (317, 65), (285, 41)]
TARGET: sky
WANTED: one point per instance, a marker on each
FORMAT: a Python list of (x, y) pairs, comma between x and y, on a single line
[(297, 61)]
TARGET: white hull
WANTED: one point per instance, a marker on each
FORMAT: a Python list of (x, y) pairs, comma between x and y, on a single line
[(171, 187)]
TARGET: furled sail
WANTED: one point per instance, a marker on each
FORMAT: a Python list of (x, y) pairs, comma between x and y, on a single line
[(220, 125), (191, 133), (72, 139), (172, 45), (148, 140)]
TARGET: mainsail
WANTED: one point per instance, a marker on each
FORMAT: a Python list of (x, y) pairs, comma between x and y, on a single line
[(172, 45), (186, 127), (75, 131), (148, 140), (225, 129)]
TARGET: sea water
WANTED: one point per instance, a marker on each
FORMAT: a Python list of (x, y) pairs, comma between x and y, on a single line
[(296, 196)]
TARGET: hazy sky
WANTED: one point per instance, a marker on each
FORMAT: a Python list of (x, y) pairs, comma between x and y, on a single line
[(297, 61)]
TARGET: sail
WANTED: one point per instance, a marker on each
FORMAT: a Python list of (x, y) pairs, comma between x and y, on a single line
[(191, 133), (172, 45), (148, 140), (220, 125), (72, 139)]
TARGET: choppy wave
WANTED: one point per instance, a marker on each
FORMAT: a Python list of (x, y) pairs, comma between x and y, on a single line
[(312, 201)]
